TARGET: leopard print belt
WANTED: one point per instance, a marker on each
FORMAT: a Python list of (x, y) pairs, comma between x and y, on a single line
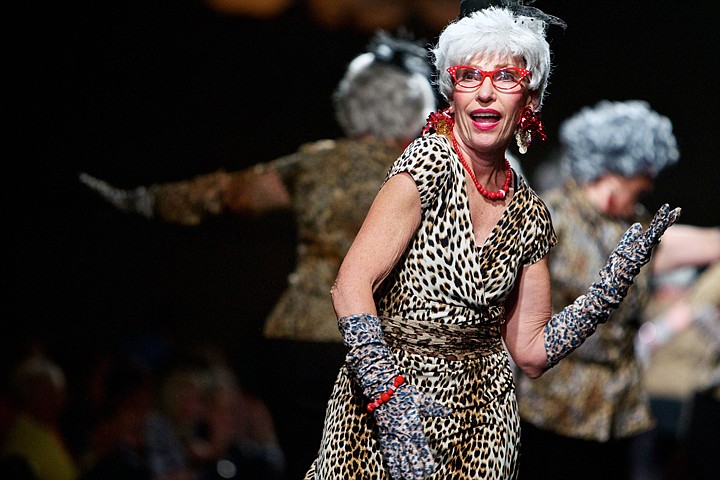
[(433, 339)]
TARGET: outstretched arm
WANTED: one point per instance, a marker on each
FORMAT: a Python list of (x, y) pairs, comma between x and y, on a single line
[(686, 246), (537, 344), (189, 202)]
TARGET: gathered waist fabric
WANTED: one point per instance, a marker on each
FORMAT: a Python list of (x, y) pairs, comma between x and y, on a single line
[(436, 339)]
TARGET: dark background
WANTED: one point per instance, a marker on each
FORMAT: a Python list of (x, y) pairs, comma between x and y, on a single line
[(154, 91)]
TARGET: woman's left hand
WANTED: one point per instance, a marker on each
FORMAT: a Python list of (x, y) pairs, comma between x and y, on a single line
[(405, 446)]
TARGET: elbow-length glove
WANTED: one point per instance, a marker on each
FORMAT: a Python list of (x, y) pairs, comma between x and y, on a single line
[(186, 202), (569, 328), (399, 419), (139, 201)]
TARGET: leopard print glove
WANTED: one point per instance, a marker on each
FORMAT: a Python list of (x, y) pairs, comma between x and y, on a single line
[(569, 328), (399, 420)]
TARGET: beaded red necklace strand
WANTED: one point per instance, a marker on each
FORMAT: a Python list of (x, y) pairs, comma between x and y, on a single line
[(496, 195)]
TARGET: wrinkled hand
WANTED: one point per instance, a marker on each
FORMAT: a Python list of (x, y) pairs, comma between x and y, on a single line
[(399, 421)]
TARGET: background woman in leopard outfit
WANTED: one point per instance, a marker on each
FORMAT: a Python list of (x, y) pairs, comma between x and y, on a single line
[(593, 404)]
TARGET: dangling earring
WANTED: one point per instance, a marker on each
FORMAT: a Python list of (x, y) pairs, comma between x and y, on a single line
[(529, 127), (440, 122)]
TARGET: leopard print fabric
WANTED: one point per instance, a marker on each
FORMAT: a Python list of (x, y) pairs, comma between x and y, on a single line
[(595, 393), (442, 309), (331, 185)]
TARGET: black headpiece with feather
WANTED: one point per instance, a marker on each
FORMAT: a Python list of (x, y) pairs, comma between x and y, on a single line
[(518, 7)]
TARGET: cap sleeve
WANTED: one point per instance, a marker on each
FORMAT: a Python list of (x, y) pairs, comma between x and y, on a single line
[(427, 161), (540, 234)]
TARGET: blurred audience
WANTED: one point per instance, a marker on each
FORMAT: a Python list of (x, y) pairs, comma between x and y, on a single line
[(227, 431), (34, 446), (132, 415), (679, 347), (130, 438)]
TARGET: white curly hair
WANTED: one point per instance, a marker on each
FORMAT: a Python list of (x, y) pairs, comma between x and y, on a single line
[(623, 137), (494, 32)]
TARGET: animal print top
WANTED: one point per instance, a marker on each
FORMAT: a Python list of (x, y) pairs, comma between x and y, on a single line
[(444, 275), (331, 184)]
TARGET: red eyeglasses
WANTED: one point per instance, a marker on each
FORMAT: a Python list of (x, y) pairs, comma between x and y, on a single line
[(506, 78)]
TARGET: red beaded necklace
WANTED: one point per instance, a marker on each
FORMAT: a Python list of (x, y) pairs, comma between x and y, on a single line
[(442, 123), (496, 195)]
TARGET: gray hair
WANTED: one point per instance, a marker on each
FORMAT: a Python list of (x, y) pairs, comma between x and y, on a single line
[(383, 100), (623, 137), (494, 32)]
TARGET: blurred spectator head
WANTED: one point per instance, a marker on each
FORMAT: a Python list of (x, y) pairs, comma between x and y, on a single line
[(386, 92), (39, 388), (626, 138)]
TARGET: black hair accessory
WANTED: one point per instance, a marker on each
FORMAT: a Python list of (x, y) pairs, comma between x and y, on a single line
[(518, 7), (401, 51)]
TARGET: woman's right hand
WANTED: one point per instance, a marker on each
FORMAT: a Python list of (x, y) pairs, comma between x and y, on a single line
[(569, 328)]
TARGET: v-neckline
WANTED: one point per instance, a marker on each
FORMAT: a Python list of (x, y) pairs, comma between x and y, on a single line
[(477, 246)]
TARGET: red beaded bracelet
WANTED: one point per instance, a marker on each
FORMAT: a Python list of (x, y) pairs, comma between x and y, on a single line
[(385, 396)]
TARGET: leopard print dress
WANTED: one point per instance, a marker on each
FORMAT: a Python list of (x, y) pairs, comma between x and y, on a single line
[(442, 309)]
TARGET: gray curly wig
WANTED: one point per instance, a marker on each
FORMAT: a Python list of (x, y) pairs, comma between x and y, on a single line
[(386, 92), (623, 137), (494, 32)]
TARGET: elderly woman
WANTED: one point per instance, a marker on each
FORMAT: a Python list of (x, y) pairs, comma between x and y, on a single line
[(449, 263), (593, 404)]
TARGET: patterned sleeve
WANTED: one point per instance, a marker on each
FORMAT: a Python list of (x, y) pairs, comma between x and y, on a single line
[(289, 166), (427, 160), (541, 235)]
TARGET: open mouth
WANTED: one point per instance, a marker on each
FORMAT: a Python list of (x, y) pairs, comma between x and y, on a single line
[(485, 117)]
